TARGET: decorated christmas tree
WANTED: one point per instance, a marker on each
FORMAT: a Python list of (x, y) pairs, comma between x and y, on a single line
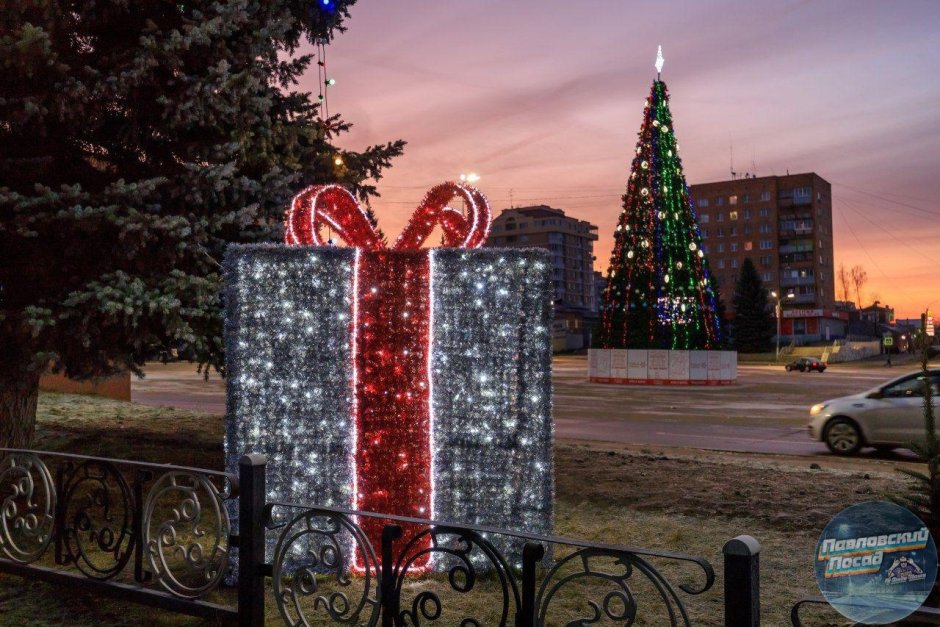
[(659, 292)]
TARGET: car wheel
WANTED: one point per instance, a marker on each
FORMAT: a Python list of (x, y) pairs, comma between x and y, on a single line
[(843, 437)]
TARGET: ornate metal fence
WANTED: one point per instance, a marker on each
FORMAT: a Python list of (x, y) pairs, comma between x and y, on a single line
[(148, 533), (160, 535)]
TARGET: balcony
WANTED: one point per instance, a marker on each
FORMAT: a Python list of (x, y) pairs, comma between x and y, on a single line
[(797, 280), (796, 248), (796, 231), (798, 259), (801, 299)]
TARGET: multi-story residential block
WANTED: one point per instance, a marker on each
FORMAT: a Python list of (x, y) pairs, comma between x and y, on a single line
[(571, 242), (784, 224)]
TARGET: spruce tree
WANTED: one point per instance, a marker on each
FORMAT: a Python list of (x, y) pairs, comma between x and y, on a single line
[(753, 322), (136, 140), (659, 291)]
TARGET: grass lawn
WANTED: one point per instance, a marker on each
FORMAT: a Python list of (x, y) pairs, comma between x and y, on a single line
[(691, 504)]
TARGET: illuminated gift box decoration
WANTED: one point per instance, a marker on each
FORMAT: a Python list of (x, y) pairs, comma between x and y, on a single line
[(399, 380)]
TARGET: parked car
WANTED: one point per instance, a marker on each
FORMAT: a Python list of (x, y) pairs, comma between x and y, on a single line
[(885, 417), (806, 364)]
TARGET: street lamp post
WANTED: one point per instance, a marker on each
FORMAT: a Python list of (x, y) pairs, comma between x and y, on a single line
[(777, 311), (777, 316)]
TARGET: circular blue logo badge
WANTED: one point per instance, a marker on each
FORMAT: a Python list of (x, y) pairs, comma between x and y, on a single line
[(876, 562)]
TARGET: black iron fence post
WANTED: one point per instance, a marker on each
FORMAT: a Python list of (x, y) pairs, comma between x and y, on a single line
[(251, 496), (742, 582), (532, 552), (389, 598)]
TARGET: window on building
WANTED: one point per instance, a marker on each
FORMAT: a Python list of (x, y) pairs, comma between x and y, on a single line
[(720, 201), (704, 249), (511, 226), (747, 198), (733, 200), (721, 264), (802, 193), (733, 247), (765, 228), (765, 212), (721, 248), (747, 229), (766, 277), (734, 263), (765, 260), (704, 233), (733, 215), (732, 231), (747, 214), (748, 245), (764, 196), (702, 202), (766, 244), (721, 231), (703, 218), (523, 225), (720, 217)]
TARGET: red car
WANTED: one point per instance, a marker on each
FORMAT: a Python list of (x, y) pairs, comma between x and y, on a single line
[(806, 364)]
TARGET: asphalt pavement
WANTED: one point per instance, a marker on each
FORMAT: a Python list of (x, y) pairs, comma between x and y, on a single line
[(765, 412)]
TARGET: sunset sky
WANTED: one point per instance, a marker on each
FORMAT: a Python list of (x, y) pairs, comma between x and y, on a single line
[(545, 98)]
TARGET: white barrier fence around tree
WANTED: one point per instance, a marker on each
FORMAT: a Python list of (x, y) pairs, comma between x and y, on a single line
[(662, 367)]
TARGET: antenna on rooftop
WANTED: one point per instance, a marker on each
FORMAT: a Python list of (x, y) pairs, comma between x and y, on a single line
[(734, 174)]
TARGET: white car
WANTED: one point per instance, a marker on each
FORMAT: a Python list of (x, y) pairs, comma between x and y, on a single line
[(886, 417)]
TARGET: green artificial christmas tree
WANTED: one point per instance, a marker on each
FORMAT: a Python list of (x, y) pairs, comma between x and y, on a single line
[(753, 324), (659, 292), (136, 140)]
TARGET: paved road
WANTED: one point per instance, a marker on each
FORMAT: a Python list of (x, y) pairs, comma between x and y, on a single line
[(766, 412)]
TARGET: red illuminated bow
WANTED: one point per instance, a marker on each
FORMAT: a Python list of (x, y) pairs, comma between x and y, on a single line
[(333, 206)]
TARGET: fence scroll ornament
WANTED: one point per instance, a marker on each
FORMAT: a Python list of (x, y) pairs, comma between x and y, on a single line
[(316, 545), (186, 533), (27, 517), (97, 519)]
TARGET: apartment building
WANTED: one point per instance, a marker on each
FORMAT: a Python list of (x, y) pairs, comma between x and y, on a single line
[(571, 242), (784, 225)]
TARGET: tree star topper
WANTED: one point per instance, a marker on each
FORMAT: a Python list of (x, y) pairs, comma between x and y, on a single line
[(659, 61)]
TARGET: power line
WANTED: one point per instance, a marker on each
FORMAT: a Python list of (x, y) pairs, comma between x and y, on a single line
[(862, 246), (891, 200), (884, 229)]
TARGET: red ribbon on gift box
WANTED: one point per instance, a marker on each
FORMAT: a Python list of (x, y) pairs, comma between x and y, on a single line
[(391, 340)]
